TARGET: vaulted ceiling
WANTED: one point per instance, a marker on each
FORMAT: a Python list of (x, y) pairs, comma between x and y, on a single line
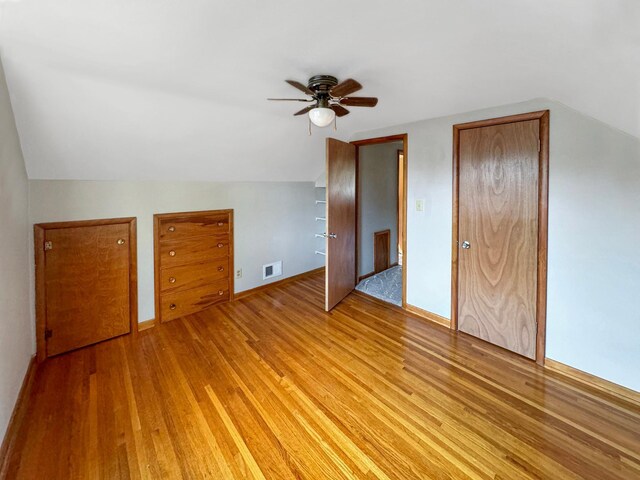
[(176, 89)]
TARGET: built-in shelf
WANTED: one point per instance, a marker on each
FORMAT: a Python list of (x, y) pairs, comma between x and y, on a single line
[(321, 211)]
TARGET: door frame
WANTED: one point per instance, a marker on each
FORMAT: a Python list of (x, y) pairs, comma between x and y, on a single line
[(403, 137), (39, 231), (543, 218)]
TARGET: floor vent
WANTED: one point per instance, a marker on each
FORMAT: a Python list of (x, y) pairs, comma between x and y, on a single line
[(272, 270)]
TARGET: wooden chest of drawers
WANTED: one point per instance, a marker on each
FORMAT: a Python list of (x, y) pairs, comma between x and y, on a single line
[(193, 261)]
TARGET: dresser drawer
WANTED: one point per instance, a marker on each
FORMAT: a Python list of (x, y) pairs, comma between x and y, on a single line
[(193, 275), (180, 227), (177, 304), (192, 250)]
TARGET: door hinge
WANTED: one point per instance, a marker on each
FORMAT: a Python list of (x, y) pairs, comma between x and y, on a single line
[(48, 333), (48, 246)]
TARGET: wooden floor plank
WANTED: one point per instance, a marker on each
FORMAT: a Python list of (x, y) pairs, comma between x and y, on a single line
[(271, 386)]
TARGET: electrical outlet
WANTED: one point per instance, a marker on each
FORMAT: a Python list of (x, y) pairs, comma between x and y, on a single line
[(239, 273), (420, 205)]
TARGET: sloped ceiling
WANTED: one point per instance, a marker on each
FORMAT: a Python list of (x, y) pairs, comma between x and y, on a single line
[(176, 89)]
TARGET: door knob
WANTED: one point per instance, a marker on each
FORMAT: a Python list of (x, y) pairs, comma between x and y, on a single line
[(466, 245)]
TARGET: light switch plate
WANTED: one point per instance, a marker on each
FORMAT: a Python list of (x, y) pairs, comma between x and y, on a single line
[(420, 205)]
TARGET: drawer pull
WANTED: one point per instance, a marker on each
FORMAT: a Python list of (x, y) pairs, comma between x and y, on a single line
[(120, 241), (220, 224), (220, 245), (172, 228), (172, 253), (221, 269), (172, 306), (220, 292), (172, 279)]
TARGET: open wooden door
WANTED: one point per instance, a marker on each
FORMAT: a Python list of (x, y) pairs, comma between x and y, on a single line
[(340, 273)]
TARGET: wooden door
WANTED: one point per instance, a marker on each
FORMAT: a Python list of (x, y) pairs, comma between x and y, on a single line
[(86, 281), (401, 220), (381, 250), (498, 234), (340, 273)]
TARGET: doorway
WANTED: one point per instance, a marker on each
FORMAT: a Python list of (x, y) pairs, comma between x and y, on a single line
[(500, 231), (379, 221), (344, 268)]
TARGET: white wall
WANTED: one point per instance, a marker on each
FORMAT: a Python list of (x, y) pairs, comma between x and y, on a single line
[(593, 318), (273, 221), (377, 200), (16, 332)]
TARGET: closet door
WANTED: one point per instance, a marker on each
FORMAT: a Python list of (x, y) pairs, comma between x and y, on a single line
[(498, 234), (86, 285), (381, 250)]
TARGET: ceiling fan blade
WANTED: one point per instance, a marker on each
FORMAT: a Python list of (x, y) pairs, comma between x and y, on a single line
[(345, 88), (340, 110), (300, 86), (305, 110), (291, 99), (359, 101)]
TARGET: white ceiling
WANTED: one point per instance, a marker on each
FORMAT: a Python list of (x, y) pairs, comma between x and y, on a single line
[(176, 89)]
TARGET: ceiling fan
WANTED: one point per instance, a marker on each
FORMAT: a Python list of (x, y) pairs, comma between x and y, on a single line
[(328, 97)]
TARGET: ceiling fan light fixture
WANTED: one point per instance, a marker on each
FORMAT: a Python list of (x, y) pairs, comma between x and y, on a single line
[(322, 116)]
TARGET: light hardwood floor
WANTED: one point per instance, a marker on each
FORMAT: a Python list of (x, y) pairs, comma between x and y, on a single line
[(271, 386)]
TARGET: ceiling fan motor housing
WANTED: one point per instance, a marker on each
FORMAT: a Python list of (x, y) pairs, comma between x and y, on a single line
[(322, 84)]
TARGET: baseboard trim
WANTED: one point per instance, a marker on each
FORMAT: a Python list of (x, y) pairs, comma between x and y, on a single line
[(370, 274), (251, 291), (17, 417), (612, 388), (146, 325), (366, 275), (432, 317)]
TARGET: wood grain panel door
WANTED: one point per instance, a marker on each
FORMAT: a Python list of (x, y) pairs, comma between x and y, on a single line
[(86, 277), (401, 206), (381, 250), (498, 234), (340, 273)]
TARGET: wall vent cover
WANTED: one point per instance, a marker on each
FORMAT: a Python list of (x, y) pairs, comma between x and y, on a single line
[(272, 270)]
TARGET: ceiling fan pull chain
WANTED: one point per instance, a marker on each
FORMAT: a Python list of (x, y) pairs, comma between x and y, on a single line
[(309, 125), (335, 123)]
